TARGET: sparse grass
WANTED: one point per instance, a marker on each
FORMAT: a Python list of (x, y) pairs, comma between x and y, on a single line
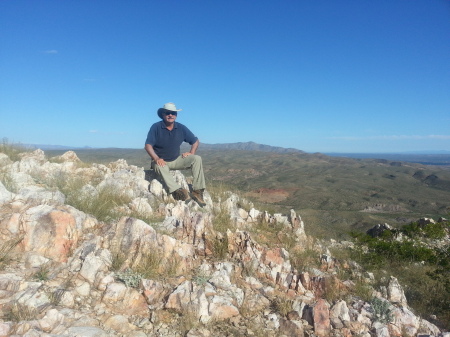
[(118, 260), (150, 266), (16, 312), (333, 289), (219, 246), (281, 305), (303, 259), (187, 321), (103, 206), (43, 272), (221, 222), (56, 296), (6, 249), (363, 290), (102, 203), (12, 150)]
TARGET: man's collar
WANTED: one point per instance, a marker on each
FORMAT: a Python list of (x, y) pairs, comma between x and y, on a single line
[(163, 125)]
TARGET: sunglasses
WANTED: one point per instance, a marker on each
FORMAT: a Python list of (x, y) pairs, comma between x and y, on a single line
[(174, 113)]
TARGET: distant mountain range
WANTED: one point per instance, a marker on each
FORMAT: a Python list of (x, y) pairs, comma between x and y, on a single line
[(252, 146), (423, 157)]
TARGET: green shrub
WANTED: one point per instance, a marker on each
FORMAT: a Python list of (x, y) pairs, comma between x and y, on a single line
[(130, 278), (423, 271), (381, 310), (432, 231)]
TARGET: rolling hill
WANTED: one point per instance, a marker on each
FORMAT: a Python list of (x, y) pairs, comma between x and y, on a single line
[(334, 194)]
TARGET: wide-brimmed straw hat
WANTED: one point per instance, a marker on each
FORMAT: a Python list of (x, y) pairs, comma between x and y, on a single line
[(167, 107)]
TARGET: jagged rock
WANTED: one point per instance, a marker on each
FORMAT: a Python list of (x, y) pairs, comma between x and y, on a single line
[(405, 323), (4, 160), (142, 207), (379, 230), (125, 300), (30, 162), (154, 293), (5, 195), (69, 156), (119, 323), (291, 328), (202, 332), (321, 318), (38, 195), (51, 320), (339, 314), (86, 331), (395, 292), (381, 330), (425, 221), (50, 232)]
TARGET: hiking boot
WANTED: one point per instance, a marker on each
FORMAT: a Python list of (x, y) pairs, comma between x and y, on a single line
[(181, 194), (197, 195)]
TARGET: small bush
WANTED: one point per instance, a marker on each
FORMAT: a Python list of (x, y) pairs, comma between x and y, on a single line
[(130, 278), (222, 222), (42, 274), (381, 310), (219, 247), (302, 260), (432, 231), (281, 305), (200, 278)]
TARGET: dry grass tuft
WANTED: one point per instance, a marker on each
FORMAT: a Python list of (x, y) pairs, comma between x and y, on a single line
[(6, 249)]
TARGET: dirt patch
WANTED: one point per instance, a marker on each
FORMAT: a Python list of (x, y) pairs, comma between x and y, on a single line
[(269, 195)]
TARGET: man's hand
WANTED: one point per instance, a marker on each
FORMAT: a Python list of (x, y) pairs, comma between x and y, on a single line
[(161, 162), (184, 155)]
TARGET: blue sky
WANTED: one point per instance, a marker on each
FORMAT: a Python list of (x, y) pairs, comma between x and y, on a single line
[(320, 76)]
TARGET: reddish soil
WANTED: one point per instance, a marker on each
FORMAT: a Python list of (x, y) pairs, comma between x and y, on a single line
[(269, 195)]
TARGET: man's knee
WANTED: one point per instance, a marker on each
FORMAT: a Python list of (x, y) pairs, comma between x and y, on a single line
[(160, 169), (197, 158)]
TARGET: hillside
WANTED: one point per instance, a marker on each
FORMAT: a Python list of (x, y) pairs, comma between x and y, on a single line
[(102, 250), (335, 193)]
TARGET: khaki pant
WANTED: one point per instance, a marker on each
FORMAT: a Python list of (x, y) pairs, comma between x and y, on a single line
[(193, 162)]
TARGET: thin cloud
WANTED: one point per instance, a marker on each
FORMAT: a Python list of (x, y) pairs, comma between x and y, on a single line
[(51, 51), (394, 137)]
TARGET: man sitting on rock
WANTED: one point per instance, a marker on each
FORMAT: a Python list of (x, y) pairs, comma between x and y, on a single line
[(163, 146)]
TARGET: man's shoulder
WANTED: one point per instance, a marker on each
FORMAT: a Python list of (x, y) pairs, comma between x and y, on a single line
[(181, 126), (156, 125)]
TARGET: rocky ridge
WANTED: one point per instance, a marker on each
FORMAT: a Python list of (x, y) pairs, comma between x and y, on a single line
[(66, 273)]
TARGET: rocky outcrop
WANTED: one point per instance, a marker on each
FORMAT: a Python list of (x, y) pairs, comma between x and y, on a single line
[(162, 268)]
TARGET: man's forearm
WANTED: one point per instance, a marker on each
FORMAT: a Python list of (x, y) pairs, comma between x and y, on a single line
[(194, 147), (151, 152)]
